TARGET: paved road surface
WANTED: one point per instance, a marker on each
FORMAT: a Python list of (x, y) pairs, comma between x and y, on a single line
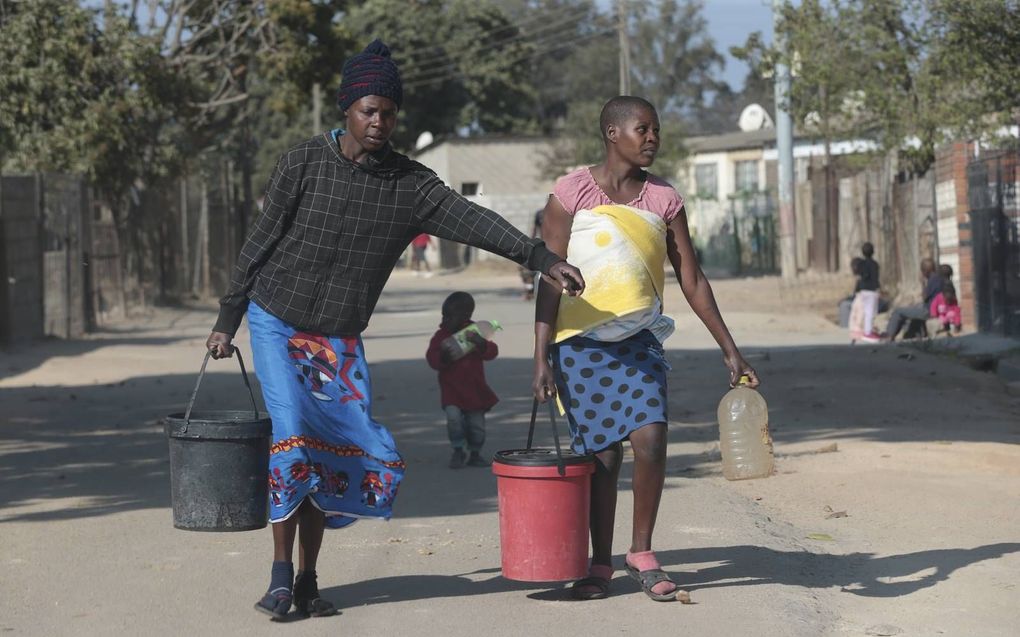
[(927, 470)]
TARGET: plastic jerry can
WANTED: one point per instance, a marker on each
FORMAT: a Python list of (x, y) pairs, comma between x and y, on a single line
[(744, 439), (457, 346)]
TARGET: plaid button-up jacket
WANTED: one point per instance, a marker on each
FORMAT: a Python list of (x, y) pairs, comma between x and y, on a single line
[(331, 231)]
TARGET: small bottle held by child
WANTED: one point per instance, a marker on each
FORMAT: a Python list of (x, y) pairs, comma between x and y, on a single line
[(459, 345), (744, 439)]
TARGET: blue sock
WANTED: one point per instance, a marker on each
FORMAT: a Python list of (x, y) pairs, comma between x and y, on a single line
[(282, 577)]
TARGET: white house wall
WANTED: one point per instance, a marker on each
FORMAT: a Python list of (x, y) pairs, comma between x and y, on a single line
[(500, 167), (708, 216), (518, 209), (509, 174), (438, 159)]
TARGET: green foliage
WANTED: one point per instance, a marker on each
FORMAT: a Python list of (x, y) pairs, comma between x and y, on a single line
[(975, 60), (132, 97), (463, 62), (75, 97), (910, 74), (310, 42), (824, 94), (576, 57), (674, 62), (673, 65)]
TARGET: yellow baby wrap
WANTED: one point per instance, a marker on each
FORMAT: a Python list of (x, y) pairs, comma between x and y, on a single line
[(620, 250)]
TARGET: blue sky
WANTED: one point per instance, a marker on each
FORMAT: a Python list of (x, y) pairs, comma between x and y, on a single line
[(729, 24)]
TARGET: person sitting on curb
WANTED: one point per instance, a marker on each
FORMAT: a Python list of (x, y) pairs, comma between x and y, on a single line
[(933, 282)]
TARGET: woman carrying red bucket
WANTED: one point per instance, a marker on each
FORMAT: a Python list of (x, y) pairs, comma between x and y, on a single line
[(618, 224)]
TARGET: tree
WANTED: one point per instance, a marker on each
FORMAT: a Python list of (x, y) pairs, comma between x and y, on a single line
[(722, 113), (674, 61), (75, 97), (248, 62), (575, 46), (974, 59), (910, 74), (673, 65), (824, 42), (463, 62)]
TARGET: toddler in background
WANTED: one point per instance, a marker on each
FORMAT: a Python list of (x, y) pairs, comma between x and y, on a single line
[(945, 305), (464, 393)]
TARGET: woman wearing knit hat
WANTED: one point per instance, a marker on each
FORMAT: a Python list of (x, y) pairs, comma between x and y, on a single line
[(340, 209)]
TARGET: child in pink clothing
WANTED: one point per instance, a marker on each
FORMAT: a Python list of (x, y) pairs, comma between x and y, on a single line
[(946, 308), (945, 305)]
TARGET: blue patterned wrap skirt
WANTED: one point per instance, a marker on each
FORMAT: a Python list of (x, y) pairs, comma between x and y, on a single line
[(609, 389), (326, 446)]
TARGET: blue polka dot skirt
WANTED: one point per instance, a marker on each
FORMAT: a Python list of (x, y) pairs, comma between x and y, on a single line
[(610, 389)]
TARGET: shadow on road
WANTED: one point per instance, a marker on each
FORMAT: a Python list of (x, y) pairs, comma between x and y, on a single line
[(27, 356), (856, 573), (103, 445), (861, 574)]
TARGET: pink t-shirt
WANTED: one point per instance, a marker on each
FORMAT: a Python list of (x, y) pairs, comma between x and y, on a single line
[(579, 191), (949, 314)]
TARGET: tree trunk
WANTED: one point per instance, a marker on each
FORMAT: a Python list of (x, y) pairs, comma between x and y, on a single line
[(831, 212), (245, 210), (200, 273)]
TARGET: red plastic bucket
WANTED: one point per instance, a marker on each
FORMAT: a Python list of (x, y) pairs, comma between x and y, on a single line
[(543, 516)]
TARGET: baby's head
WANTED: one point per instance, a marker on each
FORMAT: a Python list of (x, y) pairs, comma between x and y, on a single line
[(457, 310), (946, 272), (867, 249), (855, 265)]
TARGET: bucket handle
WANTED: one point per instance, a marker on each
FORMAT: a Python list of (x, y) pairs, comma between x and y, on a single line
[(201, 375), (560, 468)]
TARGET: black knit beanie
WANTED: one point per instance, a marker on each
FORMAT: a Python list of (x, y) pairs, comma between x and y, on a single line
[(370, 72)]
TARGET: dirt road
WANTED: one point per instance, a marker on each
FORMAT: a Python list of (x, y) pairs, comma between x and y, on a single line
[(926, 469)]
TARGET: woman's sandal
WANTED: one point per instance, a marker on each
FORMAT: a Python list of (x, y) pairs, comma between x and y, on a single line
[(306, 597), (276, 603), (652, 576), (597, 579)]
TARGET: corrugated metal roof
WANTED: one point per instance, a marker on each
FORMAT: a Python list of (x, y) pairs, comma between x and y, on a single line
[(732, 141), (495, 138)]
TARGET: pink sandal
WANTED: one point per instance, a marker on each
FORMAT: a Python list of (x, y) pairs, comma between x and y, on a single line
[(651, 575)]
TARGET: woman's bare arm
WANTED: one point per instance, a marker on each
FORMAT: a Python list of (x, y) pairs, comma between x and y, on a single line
[(698, 292), (556, 224)]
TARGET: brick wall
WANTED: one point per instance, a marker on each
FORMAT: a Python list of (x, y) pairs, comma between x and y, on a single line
[(954, 222)]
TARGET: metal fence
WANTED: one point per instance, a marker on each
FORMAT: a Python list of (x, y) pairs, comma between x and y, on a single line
[(992, 184), (745, 242), (44, 242)]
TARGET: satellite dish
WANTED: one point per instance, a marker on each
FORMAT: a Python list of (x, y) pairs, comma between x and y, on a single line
[(424, 140), (754, 117)]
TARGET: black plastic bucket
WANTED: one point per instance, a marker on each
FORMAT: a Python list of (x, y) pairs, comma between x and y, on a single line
[(219, 463)]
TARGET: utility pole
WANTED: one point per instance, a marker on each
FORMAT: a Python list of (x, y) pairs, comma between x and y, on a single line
[(784, 146), (621, 14), (316, 108)]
